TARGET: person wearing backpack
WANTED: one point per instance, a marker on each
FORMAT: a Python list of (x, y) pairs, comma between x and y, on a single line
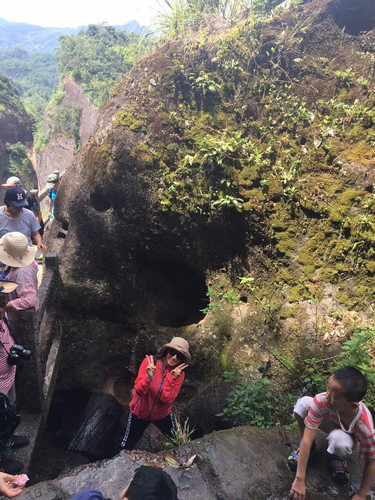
[(157, 385)]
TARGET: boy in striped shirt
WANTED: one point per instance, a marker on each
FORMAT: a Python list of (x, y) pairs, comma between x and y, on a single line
[(352, 422)]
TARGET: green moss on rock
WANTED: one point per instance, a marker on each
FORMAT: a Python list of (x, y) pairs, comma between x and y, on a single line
[(125, 119)]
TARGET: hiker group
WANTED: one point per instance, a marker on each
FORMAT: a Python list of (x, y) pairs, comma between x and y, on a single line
[(21, 238)]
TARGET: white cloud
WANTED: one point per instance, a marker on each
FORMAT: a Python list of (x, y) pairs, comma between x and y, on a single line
[(71, 13)]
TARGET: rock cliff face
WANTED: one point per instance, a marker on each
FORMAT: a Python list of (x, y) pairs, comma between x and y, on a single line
[(247, 153), (60, 150)]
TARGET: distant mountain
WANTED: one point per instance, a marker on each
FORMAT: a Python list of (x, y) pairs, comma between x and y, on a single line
[(38, 39)]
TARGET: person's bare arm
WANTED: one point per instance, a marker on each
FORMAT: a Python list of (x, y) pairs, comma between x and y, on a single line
[(37, 239), (298, 490), (49, 207), (367, 478)]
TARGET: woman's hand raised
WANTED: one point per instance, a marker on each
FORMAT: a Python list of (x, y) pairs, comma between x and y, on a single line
[(176, 372), (151, 368)]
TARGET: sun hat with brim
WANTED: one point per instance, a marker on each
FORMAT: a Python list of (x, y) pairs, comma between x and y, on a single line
[(178, 344), (12, 182), (8, 286), (16, 197), (15, 250)]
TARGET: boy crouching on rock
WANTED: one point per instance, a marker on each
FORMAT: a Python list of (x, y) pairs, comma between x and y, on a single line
[(352, 423)]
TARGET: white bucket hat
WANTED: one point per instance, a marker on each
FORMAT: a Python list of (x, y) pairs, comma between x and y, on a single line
[(178, 344), (15, 250)]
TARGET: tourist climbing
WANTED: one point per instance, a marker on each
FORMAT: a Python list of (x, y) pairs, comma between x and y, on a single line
[(20, 267), (10, 417), (53, 182), (352, 423), (14, 217), (33, 203)]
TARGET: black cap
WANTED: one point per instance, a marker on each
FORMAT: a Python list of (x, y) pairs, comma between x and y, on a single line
[(16, 197)]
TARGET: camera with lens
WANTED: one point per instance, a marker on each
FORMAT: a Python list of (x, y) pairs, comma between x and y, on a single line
[(18, 353)]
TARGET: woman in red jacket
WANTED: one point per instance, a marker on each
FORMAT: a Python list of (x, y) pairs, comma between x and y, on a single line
[(157, 385)]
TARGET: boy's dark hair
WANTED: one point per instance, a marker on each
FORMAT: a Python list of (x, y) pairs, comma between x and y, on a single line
[(3, 299), (151, 483), (353, 382)]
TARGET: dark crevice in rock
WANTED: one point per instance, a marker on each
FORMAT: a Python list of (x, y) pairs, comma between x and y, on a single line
[(65, 414), (52, 456), (173, 292), (99, 201), (355, 17)]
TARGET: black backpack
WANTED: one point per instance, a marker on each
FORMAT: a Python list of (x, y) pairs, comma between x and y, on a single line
[(9, 419), (32, 201)]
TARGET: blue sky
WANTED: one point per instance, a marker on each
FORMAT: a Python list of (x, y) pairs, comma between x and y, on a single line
[(71, 13)]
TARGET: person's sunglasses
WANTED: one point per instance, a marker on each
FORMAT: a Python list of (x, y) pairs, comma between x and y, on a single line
[(173, 352)]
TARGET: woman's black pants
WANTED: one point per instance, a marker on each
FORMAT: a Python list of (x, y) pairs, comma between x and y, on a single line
[(136, 428)]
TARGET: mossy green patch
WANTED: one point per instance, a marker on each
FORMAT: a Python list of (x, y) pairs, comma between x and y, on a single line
[(125, 119), (97, 159), (361, 152), (143, 156), (297, 293), (370, 266), (285, 243)]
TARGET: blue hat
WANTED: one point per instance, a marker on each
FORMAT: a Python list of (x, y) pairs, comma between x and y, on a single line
[(16, 197)]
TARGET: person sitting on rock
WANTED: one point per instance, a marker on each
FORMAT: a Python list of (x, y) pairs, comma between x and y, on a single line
[(20, 267), (15, 217), (341, 405), (157, 385), (149, 483)]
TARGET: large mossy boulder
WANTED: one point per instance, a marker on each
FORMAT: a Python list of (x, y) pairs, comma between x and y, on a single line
[(225, 164)]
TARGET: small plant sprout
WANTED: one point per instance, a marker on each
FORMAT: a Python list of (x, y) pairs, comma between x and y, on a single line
[(249, 282), (181, 434)]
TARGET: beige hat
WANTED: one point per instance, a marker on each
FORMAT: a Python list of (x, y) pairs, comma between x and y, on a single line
[(7, 286), (15, 250), (178, 344)]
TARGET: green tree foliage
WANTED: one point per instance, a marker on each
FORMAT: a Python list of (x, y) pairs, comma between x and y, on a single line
[(20, 165), (34, 75), (66, 121), (98, 58), (9, 96)]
